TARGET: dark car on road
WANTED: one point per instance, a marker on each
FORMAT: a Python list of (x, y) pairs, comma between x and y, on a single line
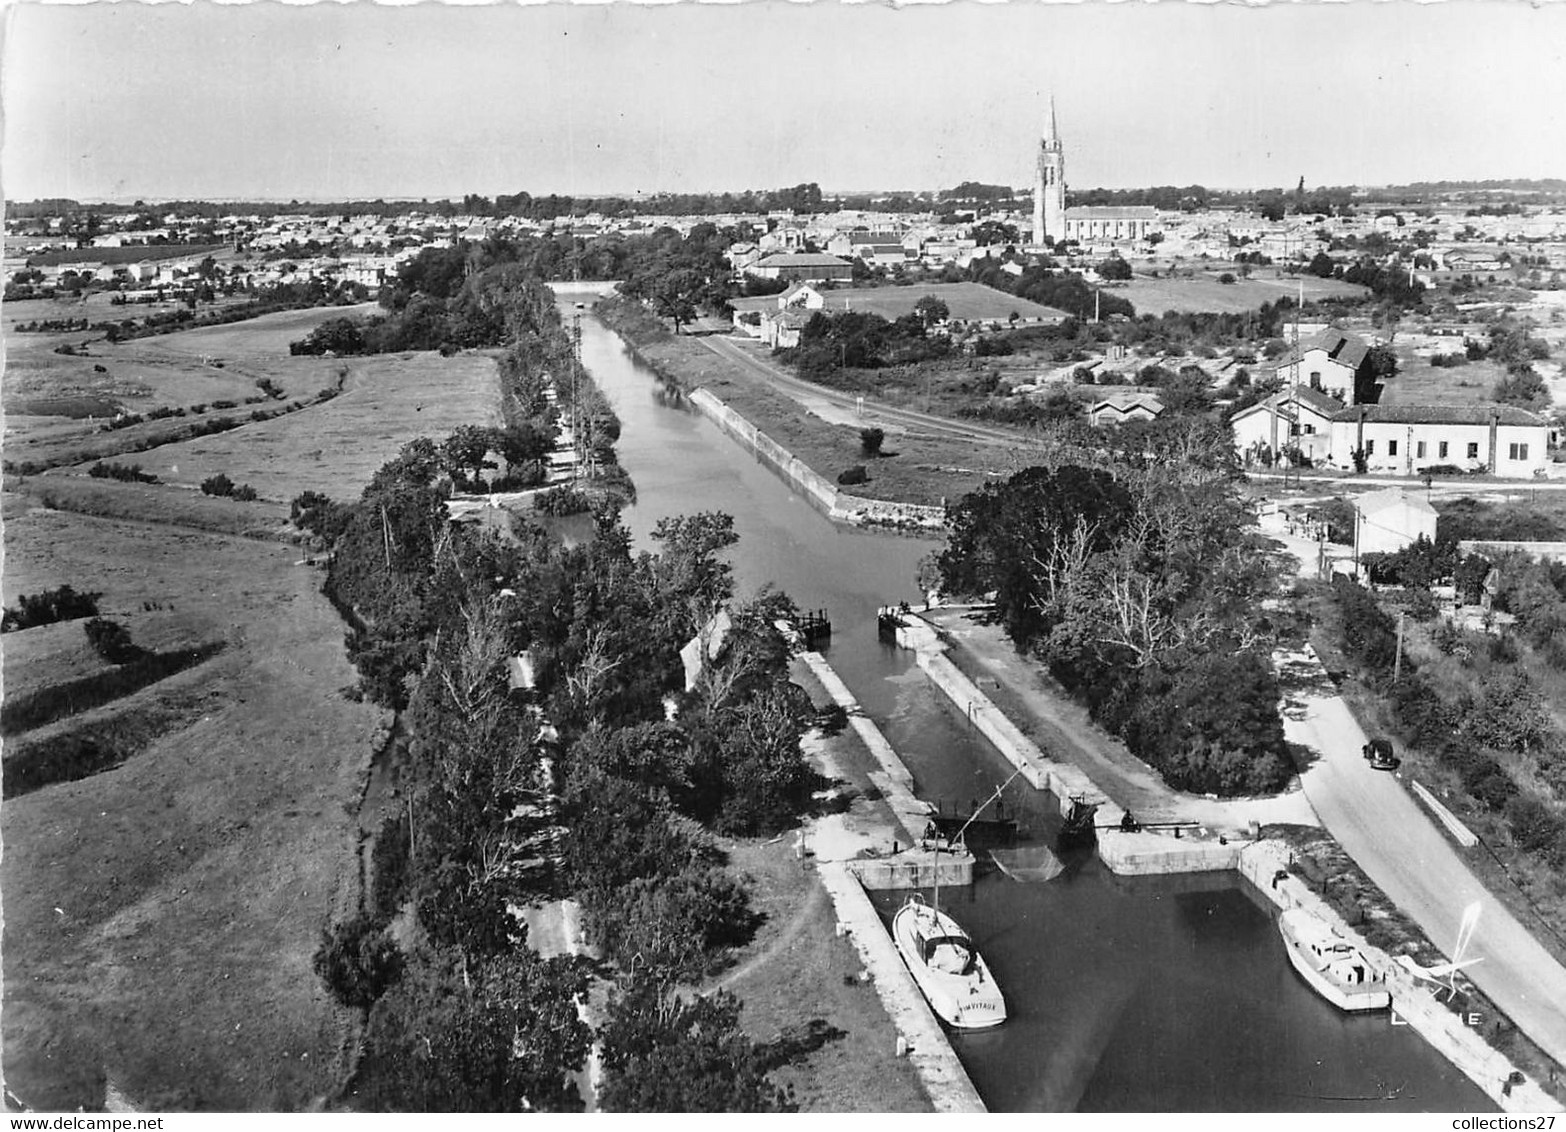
[(1379, 753)]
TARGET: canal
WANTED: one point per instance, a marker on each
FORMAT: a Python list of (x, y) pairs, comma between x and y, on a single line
[(1125, 994)]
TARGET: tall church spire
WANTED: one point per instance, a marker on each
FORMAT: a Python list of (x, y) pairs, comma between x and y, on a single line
[(1049, 184)]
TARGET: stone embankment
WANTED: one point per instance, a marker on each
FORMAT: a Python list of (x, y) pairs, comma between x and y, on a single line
[(1265, 865), (838, 505), (861, 849), (1187, 850)]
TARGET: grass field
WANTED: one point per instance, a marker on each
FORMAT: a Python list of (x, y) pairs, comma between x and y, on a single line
[(161, 913), (160, 917), (47, 655), (911, 469), (798, 969), (148, 253), (160, 503), (48, 396), (1420, 383), (1205, 293), (335, 447), (967, 302)]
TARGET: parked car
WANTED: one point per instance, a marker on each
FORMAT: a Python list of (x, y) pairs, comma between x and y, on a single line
[(1379, 753)]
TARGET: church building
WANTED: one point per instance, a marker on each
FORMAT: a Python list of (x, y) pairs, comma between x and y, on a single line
[(1086, 225)]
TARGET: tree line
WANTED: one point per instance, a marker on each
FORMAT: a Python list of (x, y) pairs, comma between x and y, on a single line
[(1140, 588), (600, 776)]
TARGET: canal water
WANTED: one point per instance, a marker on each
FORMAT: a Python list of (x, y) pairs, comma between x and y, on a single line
[(1125, 994)]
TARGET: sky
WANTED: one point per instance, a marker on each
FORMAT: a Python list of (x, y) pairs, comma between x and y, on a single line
[(342, 100)]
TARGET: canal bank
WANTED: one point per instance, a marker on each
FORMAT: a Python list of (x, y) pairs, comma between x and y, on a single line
[(1264, 864), (836, 504), (860, 848), (1151, 993)]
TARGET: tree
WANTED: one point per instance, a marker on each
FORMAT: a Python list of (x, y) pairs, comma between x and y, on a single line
[(357, 961), (931, 310), (463, 453), (1522, 386), (870, 440), (497, 1036), (1114, 268), (1322, 265), (1379, 367), (674, 296), (1009, 538), (60, 604), (112, 641), (664, 1053)]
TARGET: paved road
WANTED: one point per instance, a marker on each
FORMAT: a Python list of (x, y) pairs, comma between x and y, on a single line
[(806, 392), (1390, 836)]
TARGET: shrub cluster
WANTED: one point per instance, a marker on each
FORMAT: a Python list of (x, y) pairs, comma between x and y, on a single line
[(129, 473), (63, 603), (220, 485), (1463, 732)]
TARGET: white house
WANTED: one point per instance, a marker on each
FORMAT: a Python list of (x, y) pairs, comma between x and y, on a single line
[(778, 319), (1387, 521), (1407, 439), (1326, 361), (1295, 418)]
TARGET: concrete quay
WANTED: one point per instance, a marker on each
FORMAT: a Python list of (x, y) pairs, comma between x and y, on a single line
[(939, 1070), (1261, 863), (852, 852), (888, 856), (1143, 853), (1265, 865)]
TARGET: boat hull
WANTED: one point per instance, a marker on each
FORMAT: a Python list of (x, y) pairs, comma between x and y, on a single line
[(964, 1001), (1298, 928)]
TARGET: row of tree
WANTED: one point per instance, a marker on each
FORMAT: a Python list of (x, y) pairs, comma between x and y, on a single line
[(598, 776)]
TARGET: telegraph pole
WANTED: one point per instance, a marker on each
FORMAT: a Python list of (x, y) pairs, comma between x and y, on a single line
[(1397, 663)]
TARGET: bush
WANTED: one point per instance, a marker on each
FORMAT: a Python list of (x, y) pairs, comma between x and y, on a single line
[(1369, 635), (562, 501), (245, 493), (1535, 828), (128, 473), (854, 475), (1489, 783), (219, 485), (389, 868), (357, 961), (60, 604), (111, 640), (870, 440)]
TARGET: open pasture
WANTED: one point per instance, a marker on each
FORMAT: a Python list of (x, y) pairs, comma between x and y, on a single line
[(161, 914), (335, 447), (1203, 292)]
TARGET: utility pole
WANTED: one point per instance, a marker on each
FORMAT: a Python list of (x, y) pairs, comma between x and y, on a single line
[(1397, 663)]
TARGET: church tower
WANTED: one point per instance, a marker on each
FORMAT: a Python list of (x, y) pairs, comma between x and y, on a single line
[(1049, 185)]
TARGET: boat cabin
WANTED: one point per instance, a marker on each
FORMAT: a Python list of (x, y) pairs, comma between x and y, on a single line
[(1343, 963), (948, 954)]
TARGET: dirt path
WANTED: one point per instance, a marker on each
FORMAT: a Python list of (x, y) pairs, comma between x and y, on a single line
[(782, 943)]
